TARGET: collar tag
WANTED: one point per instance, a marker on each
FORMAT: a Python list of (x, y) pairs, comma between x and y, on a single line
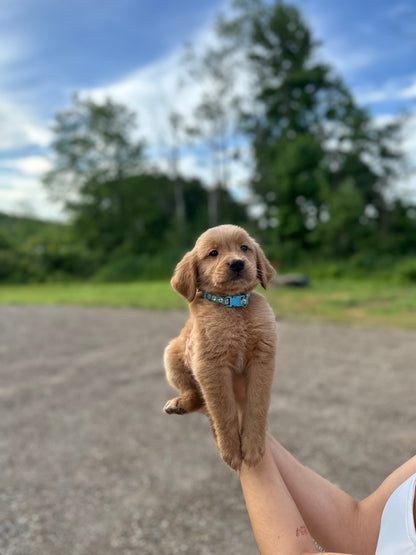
[(228, 301)]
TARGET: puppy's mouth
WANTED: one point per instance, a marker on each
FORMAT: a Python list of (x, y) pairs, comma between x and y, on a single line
[(234, 276)]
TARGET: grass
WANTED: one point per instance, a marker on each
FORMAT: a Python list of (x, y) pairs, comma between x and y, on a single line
[(369, 303), (152, 294), (364, 303)]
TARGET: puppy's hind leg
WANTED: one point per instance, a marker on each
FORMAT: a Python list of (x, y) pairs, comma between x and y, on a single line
[(180, 376), (259, 372), (217, 387)]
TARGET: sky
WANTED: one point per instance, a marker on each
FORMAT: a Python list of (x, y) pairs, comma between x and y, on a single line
[(129, 50)]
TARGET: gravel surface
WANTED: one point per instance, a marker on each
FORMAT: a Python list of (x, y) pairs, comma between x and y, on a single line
[(89, 464)]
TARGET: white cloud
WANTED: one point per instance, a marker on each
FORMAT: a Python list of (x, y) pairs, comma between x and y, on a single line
[(405, 186), (409, 92), (345, 60), (30, 165), (23, 195), (391, 90), (409, 141), (19, 126), (148, 92), (154, 91), (22, 191)]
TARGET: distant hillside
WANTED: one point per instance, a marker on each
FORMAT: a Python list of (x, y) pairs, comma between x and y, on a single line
[(19, 229)]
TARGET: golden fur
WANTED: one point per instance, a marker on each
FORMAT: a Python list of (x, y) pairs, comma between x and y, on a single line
[(220, 346)]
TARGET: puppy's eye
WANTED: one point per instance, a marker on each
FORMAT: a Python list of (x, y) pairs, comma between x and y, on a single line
[(244, 248), (213, 253)]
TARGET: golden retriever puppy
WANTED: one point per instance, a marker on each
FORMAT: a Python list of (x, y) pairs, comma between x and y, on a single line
[(230, 336)]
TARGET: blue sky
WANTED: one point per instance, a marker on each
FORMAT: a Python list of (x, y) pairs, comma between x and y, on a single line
[(129, 50)]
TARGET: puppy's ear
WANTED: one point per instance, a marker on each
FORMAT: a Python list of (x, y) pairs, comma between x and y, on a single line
[(185, 276), (265, 270)]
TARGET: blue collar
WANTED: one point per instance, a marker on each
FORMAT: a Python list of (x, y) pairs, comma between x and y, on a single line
[(229, 301)]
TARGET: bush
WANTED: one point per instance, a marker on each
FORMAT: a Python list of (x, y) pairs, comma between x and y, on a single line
[(405, 271), (18, 268), (66, 263), (63, 264), (9, 265), (5, 243)]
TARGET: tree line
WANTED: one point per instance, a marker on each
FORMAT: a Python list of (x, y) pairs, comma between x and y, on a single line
[(323, 171)]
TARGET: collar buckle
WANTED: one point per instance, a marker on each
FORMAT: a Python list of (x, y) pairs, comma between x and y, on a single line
[(237, 300)]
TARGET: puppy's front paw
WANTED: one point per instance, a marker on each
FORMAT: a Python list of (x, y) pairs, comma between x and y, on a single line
[(174, 407), (231, 454), (232, 459), (252, 451)]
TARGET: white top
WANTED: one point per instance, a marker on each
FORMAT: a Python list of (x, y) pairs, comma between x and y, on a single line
[(397, 531)]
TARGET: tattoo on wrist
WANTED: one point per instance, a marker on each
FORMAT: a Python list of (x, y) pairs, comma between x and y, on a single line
[(301, 531)]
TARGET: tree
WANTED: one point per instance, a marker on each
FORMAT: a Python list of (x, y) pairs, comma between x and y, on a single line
[(308, 136), (117, 209), (400, 238), (93, 143), (136, 215), (130, 216), (345, 231)]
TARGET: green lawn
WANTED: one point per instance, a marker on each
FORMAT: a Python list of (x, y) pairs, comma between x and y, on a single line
[(364, 303), (357, 302), (152, 294)]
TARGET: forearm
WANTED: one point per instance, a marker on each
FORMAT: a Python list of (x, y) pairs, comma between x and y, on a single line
[(331, 515), (277, 524)]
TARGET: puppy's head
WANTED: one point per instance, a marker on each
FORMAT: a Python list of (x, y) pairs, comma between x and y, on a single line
[(224, 261)]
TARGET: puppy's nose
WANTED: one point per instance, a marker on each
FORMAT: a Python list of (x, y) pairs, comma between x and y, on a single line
[(236, 265)]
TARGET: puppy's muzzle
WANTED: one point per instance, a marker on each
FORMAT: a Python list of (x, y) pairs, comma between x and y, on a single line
[(236, 266)]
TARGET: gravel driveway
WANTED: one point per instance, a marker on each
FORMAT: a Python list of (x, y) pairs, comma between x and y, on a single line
[(89, 464)]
